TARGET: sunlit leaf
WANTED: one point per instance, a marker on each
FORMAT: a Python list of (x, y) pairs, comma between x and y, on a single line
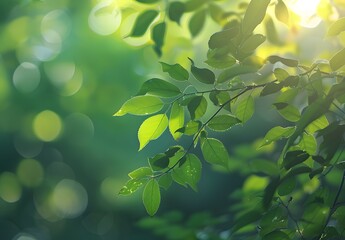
[(197, 107), (152, 197), (143, 22), (140, 173), (214, 152), (165, 181), (223, 122), (337, 27), (176, 120), (189, 172), (175, 71), (159, 87), (288, 111), (252, 42), (271, 88), (277, 133), (141, 105), (203, 75), (152, 128), (132, 185), (254, 15), (338, 60), (282, 12), (158, 34), (221, 39), (197, 22), (285, 61), (147, 1), (245, 108), (219, 98), (281, 74), (234, 71), (176, 10), (219, 61), (191, 128), (308, 143)]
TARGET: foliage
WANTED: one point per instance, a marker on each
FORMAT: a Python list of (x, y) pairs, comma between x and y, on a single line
[(290, 194)]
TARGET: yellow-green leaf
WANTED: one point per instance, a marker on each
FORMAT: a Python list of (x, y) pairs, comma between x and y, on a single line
[(254, 15), (214, 152), (245, 109), (337, 27), (223, 122), (152, 197), (176, 120), (141, 105), (338, 60), (282, 12), (151, 129)]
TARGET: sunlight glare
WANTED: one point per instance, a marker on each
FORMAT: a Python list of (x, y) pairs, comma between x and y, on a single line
[(306, 10)]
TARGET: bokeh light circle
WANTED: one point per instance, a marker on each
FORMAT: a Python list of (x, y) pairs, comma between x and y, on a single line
[(26, 77), (105, 18), (30, 173), (47, 125), (69, 199), (10, 188)]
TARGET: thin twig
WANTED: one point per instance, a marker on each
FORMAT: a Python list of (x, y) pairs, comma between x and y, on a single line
[(334, 205), (292, 218)]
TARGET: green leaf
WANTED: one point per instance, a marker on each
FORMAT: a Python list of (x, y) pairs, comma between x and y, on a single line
[(165, 181), (338, 60), (311, 113), (245, 108), (286, 187), (315, 218), (191, 128), (159, 162), (288, 62), (252, 42), (214, 152), (281, 74), (282, 12), (221, 39), (287, 111), (217, 13), (277, 234), (175, 71), (141, 105), (151, 129), (140, 173), (254, 15), (337, 27), (271, 88), (275, 218), (203, 75), (294, 158), (176, 10), (189, 172), (197, 22), (143, 22), (147, 1), (277, 133), (197, 107), (159, 87), (246, 219), (223, 122), (219, 61), (317, 124), (152, 197), (132, 185), (234, 71), (270, 191), (158, 34), (176, 120), (308, 143), (219, 98)]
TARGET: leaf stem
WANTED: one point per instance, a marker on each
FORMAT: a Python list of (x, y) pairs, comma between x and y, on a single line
[(334, 205)]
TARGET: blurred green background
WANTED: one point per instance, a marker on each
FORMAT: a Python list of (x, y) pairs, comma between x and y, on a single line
[(64, 157), (64, 71)]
